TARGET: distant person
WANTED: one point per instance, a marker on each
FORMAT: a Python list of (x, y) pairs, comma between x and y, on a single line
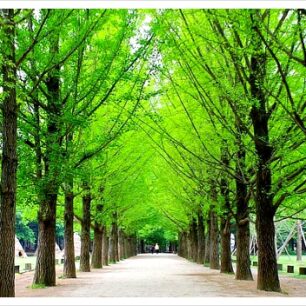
[(152, 249), (156, 248)]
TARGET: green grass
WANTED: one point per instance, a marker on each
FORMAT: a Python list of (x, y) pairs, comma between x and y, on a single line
[(20, 261), (286, 260), (37, 286)]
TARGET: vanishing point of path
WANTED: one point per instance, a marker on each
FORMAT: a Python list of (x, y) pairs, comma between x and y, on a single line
[(147, 275)]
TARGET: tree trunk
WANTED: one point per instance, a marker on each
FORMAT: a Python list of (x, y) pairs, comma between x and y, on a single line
[(214, 242), (85, 235), (142, 246), (126, 245), (267, 278), (96, 260), (226, 259), (121, 247), (123, 252), (267, 264), (134, 243), (201, 239), (114, 240), (129, 246), (243, 269), (182, 248), (105, 248), (243, 266), (180, 244), (45, 263), (69, 262), (9, 158), (193, 240), (298, 241), (207, 241), (185, 245), (189, 245)]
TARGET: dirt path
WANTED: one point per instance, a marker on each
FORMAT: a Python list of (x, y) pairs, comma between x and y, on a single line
[(163, 275)]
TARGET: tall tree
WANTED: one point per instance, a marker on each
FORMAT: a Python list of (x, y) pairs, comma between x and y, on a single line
[(9, 154)]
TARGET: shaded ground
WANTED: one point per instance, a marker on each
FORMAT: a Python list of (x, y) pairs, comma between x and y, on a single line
[(163, 275)]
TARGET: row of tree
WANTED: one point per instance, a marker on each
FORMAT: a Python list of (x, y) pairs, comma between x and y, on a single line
[(233, 129), (60, 75)]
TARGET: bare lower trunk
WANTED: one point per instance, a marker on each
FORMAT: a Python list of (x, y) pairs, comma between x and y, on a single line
[(214, 242), (105, 248), (207, 242), (201, 239), (226, 260), (126, 245), (299, 241), (267, 278), (114, 257), (9, 157), (182, 247), (96, 260), (142, 246), (85, 235), (121, 247), (45, 262), (243, 266), (193, 240), (116, 242), (69, 262)]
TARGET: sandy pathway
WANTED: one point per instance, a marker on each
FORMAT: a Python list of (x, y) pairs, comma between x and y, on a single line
[(163, 275)]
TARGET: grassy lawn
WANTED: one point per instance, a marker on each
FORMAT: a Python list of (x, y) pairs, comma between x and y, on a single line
[(20, 261), (286, 260)]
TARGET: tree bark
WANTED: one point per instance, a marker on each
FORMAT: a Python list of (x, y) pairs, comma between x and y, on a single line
[(214, 242), (126, 246), (120, 244), (201, 238), (9, 158), (193, 240), (96, 260), (45, 263), (243, 266), (243, 269), (123, 249), (298, 241), (105, 248), (129, 246), (142, 246), (114, 257), (207, 241), (267, 264), (226, 259), (85, 233), (69, 262)]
